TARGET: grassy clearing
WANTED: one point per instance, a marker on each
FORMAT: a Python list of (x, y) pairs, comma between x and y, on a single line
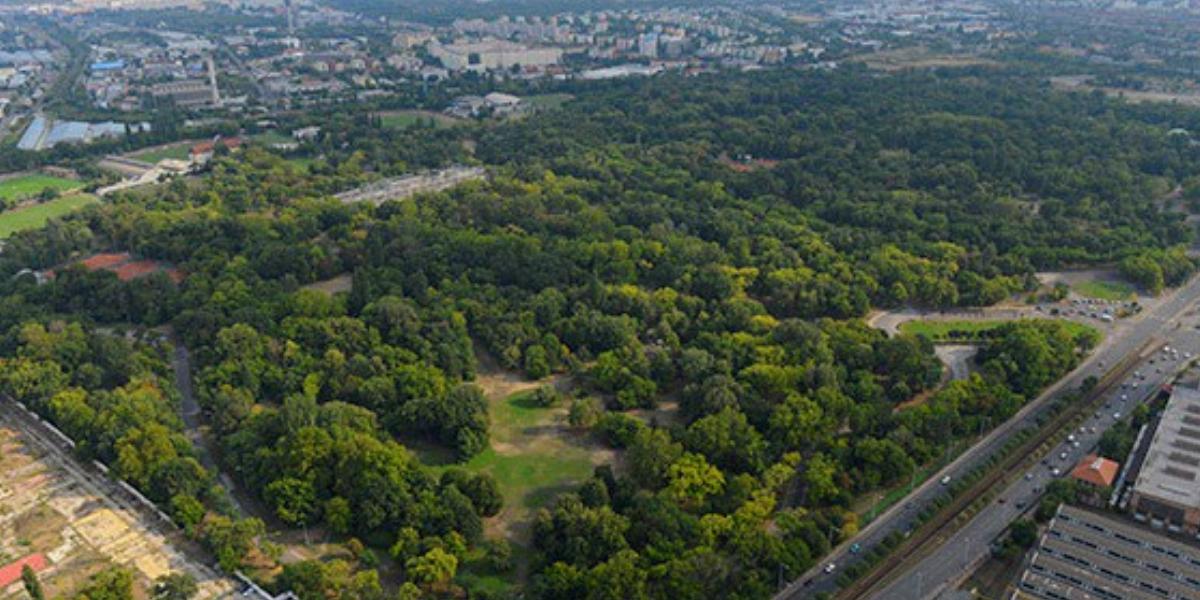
[(533, 456), (403, 119), (1105, 290), (548, 101), (35, 216), (28, 186), (939, 330), (172, 152), (271, 138), (303, 163)]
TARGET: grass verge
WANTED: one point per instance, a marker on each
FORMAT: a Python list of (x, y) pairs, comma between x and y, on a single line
[(1116, 291), (951, 330)]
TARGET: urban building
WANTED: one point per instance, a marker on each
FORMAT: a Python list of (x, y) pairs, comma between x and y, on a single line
[(1096, 476), (1167, 493), (190, 93), (1087, 555), (502, 103), (493, 55)]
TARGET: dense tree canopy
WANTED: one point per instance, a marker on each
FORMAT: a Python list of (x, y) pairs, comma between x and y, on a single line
[(630, 243)]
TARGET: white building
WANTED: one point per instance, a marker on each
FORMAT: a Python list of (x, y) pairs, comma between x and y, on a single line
[(493, 55)]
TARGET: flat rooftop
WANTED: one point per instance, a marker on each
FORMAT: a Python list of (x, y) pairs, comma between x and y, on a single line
[(1086, 555), (1171, 471)]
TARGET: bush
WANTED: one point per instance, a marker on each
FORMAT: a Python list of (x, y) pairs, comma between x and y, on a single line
[(585, 413), (618, 429), (546, 396)]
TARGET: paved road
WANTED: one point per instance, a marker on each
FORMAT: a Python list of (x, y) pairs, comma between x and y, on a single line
[(1125, 338), (189, 411), (955, 558)]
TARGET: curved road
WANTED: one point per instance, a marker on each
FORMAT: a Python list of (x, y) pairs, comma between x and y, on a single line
[(1125, 338)]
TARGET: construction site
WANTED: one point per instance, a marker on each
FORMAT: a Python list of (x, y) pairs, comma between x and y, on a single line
[(67, 521)]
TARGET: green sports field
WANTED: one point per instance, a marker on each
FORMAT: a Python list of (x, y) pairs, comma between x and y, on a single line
[(35, 216), (29, 186), (403, 119)]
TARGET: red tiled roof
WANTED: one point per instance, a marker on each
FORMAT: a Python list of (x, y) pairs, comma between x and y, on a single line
[(104, 261), (205, 147), (1096, 470), (138, 268), (11, 573)]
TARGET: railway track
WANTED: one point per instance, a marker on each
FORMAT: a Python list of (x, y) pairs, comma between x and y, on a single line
[(944, 522)]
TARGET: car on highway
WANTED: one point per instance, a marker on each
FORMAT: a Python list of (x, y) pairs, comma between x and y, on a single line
[(829, 568), (855, 548), (946, 480)]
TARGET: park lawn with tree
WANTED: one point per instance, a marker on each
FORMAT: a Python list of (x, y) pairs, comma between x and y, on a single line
[(616, 246)]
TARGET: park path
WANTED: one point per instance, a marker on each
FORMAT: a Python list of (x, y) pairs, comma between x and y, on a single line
[(193, 423)]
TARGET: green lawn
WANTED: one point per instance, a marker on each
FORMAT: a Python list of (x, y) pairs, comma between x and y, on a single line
[(28, 186), (33, 217), (271, 138), (530, 467), (948, 330), (404, 119), (302, 163), (1105, 290), (548, 101), (173, 152)]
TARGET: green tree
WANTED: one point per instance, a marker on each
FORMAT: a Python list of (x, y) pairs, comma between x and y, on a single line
[(33, 586), (433, 569), (175, 586)]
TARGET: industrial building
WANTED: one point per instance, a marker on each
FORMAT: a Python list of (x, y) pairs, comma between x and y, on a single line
[(493, 55), (191, 93), (1167, 491), (45, 133), (1087, 555)]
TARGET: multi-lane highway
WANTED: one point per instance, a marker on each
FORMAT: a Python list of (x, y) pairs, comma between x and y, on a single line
[(950, 561), (954, 558)]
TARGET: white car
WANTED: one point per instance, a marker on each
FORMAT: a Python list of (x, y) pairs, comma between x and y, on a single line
[(1056, 472), (946, 480), (830, 567), (1116, 416), (1062, 456)]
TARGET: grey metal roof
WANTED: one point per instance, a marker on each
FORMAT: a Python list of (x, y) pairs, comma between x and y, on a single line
[(1172, 467)]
